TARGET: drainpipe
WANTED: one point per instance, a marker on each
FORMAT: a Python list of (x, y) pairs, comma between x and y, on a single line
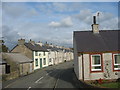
[(82, 67)]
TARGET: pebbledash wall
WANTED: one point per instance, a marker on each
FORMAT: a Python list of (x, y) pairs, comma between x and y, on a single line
[(108, 71)]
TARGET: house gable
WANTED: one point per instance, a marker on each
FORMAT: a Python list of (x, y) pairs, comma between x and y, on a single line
[(24, 50)]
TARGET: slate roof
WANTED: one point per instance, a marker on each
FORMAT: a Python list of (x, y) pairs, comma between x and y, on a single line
[(106, 40), (18, 58), (35, 47), (52, 48)]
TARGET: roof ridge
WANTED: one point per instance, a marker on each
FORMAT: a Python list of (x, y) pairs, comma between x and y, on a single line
[(99, 30)]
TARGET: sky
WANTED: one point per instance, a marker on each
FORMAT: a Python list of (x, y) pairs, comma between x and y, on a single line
[(54, 22)]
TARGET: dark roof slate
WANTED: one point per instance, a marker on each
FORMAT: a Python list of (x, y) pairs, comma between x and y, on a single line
[(35, 47), (52, 48), (106, 40)]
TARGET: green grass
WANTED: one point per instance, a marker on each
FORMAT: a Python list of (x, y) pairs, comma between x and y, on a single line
[(110, 85)]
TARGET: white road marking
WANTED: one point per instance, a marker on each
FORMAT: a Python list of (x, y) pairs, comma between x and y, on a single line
[(48, 73), (28, 88), (39, 80)]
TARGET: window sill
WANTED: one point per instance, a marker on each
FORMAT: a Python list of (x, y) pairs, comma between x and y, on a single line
[(96, 71), (116, 70)]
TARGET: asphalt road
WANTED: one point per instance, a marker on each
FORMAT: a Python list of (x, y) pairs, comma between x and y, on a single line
[(58, 76)]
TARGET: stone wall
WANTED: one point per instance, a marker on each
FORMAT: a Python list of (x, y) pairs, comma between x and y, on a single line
[(24, 50)]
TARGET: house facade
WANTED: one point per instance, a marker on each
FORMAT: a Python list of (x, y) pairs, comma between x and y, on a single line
[(40, 59), (96, 54), (51, 53), (58, 54), (33, 51), (3, 65)]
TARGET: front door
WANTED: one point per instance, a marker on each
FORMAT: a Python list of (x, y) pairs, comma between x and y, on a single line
[(40, 62)]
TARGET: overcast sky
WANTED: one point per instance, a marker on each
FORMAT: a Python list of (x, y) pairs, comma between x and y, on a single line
[(54, 22)]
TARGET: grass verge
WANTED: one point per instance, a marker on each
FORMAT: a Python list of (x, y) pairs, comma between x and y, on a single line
[(109, 85)]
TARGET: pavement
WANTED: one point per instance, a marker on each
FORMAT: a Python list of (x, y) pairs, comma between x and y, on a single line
[(57, 76)]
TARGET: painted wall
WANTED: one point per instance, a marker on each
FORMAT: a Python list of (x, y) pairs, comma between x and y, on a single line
[(40, 55), (56, 58), (107, 73), (51, 57), (2, 69), (76, 61)]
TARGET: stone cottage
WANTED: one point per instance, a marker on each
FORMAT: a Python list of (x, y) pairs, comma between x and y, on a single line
[(38, 54), (19, 64)]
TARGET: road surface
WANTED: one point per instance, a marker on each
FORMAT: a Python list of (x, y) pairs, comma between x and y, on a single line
[(57, 76)]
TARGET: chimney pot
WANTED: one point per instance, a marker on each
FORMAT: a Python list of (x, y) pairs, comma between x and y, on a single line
[(94, 19)]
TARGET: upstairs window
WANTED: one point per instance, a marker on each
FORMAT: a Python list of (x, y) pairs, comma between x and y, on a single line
[(96, 62), (44, 61), (36, 53), (116, 59), (50, 60), (44, 53)]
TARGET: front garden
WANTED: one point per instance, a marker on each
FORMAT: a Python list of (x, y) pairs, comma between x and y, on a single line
[(105, 83)]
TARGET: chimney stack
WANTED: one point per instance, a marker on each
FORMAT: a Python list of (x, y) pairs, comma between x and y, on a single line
[(51, 45), (32, 42), (21, 41), (95, 27), (40, 43)]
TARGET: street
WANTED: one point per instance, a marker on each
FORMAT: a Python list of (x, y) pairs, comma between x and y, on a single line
[(57, 76)]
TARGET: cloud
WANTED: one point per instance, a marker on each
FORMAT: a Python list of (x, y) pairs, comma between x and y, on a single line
[(106, 25), (85, 18), (52, 22), (66, 22), (14, 10), (61, 1), (59, 7), (10, 36)]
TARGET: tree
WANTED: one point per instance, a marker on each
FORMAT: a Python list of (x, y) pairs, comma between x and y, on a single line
[(3, 48)]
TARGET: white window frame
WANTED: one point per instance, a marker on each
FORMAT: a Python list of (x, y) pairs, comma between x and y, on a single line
[(37, 62), (44, 61), (97, 64), (114, 62), (36, 53)]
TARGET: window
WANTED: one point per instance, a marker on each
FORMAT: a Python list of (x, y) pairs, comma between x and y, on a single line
[(116, 61), (50, 60), (36, 53), (44, 53), (96, 62), (44, 61), (39, 54), (36, 62)]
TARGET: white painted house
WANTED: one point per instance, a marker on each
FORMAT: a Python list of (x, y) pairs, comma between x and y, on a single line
[(34, 51), (96, 53), (51, 54)]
